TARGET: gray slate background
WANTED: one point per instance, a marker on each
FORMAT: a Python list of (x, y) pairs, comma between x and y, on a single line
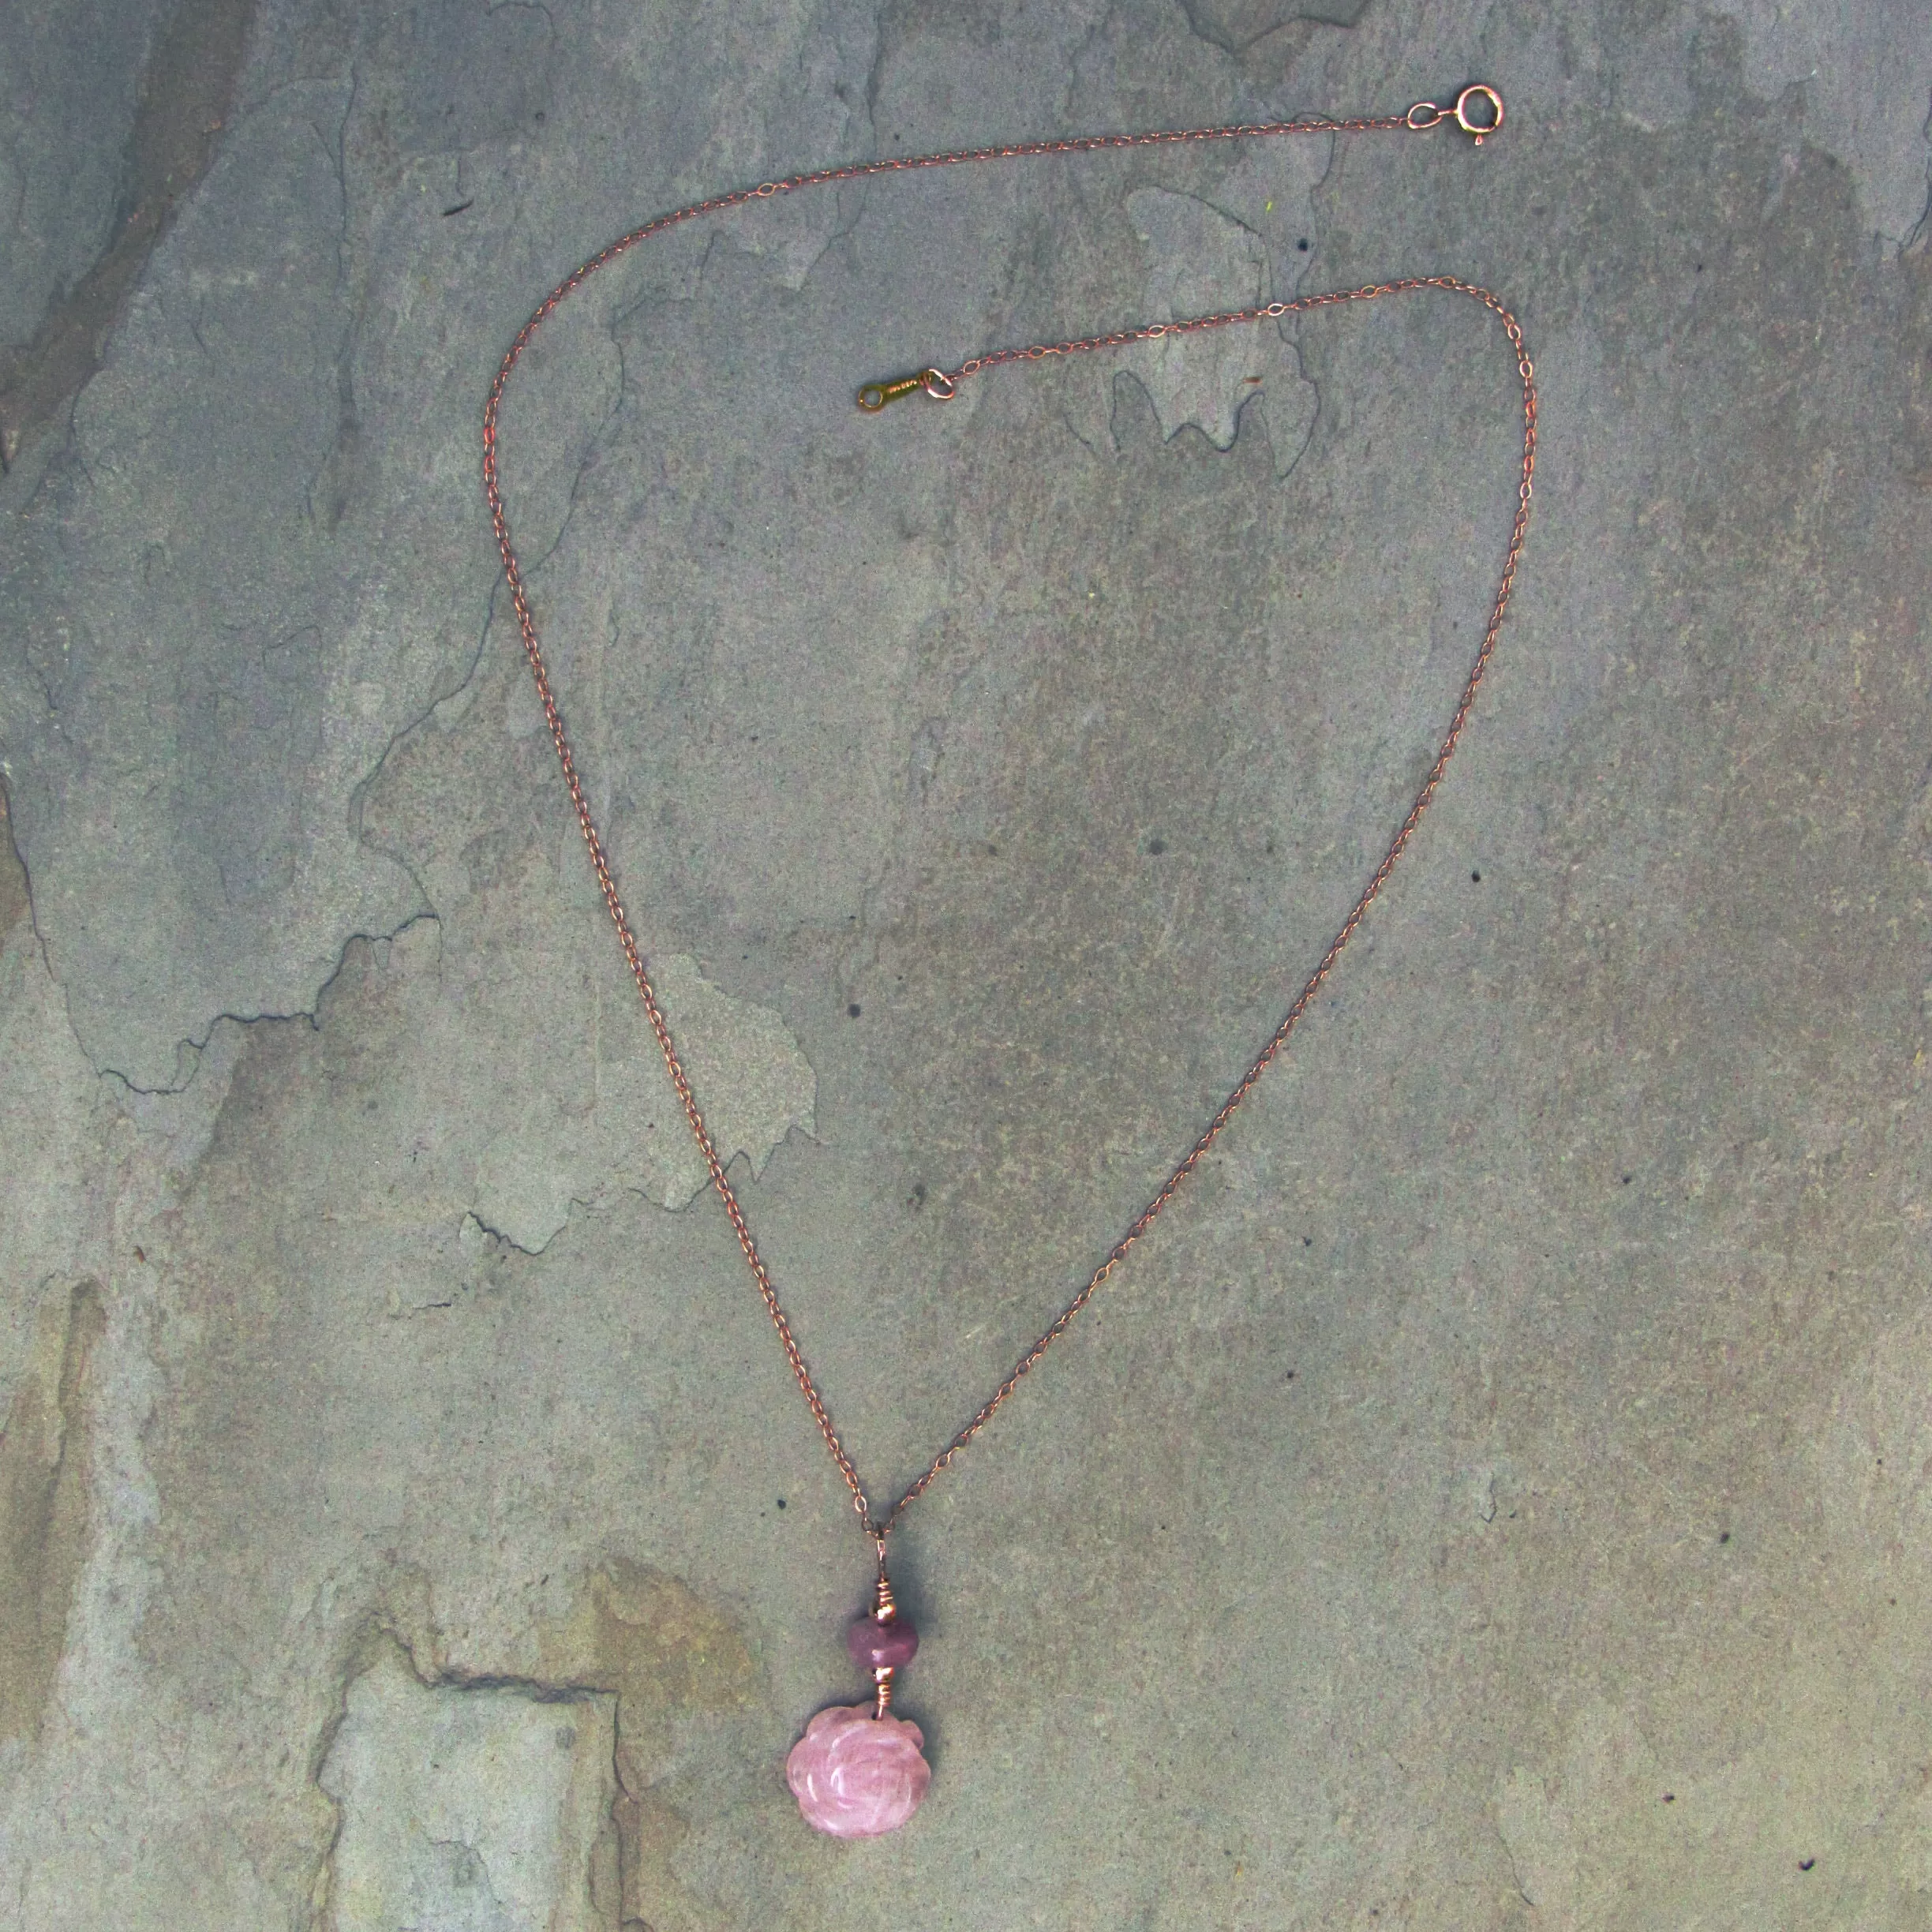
[(1499, 1493)]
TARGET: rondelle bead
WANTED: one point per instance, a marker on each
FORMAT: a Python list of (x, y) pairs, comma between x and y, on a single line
[(873, 1645)]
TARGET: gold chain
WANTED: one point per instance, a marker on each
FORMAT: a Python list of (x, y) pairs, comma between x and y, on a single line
[(1478, 111)]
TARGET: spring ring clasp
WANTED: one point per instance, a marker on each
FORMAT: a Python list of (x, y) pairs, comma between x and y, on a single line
[(1485, 99), (1480, 92)]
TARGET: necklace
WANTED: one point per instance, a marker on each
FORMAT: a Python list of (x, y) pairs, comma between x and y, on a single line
[(858, 1770)]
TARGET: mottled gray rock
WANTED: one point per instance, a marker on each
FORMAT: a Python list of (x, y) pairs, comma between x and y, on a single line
[(469, 1809), (1865, 96), (68, 76), (1493, 1496)]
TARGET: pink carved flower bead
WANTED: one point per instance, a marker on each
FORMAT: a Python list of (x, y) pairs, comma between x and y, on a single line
[(856, 1775)]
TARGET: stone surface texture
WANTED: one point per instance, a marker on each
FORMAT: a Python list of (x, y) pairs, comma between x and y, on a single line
[(1512, 1450), (478, 1809)]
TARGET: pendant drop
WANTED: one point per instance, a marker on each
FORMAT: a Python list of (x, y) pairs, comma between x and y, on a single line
[(859, 1772)]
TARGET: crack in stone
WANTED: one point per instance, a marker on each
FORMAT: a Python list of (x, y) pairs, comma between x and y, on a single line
[(1236, 26), (365, 787), (508, 1241), (196, 1047)]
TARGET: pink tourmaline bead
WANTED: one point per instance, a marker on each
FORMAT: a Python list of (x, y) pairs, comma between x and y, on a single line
[(873, 1643), (856, 1776)]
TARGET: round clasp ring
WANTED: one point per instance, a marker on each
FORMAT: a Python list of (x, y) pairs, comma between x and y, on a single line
[(1480, 92), (940, 386)]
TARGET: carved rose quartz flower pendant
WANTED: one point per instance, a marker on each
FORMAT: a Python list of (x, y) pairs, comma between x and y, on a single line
[(859, 1772), (856, 1775)]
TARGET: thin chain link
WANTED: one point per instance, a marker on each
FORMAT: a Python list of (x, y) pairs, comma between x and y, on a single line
[(878, 1529)]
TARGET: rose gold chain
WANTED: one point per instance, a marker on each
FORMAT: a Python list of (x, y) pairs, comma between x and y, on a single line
[(1486, 118)]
